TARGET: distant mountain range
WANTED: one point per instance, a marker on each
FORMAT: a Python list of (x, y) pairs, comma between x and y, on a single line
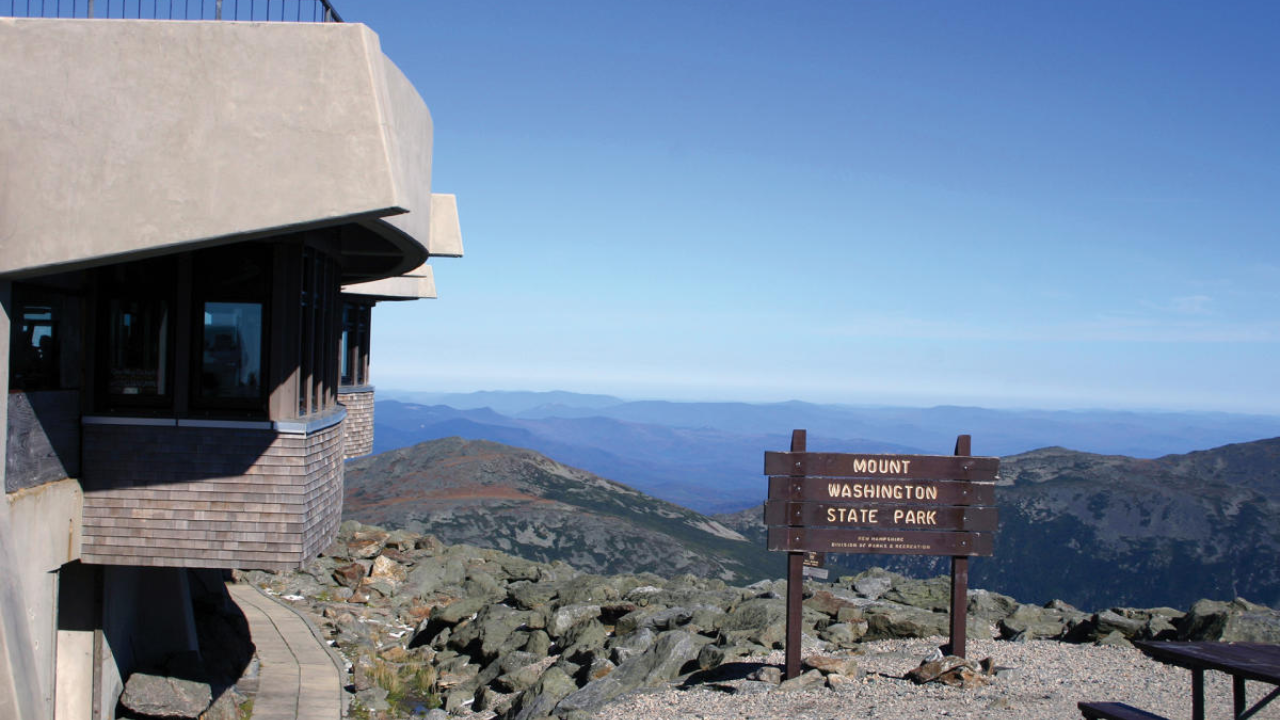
[(705, 469), (708, 456), (492, 495), (1099, 530)]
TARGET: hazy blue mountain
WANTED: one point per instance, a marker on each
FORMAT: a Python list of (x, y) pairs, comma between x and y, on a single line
[(506, 402), (995, 432), (705, 469)]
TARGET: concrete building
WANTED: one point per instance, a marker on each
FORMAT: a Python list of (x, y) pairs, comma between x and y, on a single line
[(195, 219)]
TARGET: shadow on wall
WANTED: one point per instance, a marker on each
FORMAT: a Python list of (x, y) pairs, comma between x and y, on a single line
[(43, 442)]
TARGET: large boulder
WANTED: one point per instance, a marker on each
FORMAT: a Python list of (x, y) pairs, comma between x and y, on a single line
[(933, 594), (166, 697), (664, 661), (1235, 621)]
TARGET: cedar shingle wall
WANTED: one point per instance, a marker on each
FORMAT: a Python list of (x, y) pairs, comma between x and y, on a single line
[(209, 497), (359, 421)]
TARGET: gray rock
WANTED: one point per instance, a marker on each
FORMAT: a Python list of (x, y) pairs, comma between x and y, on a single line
[(539, 643), (584, 638), (1236, 621), (1031, 622), (489, 632), (569, 615), (165, 696), (455, 612), (542, 699), (933, 594), (588, 590), (623, 648), (886, 621), (762, 621), (521, 671), (844, 635), (991, 606), (656, 618), (531, 595), (1108, 622), (874, 582), (375, 698), (770, 674), (804, 680), (673, 650), (1115, 638), (710, 656)]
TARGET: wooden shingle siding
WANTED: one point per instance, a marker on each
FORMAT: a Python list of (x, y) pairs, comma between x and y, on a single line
[(209, 497), (359, 407)]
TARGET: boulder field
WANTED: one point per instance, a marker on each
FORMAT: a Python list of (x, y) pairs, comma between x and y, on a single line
[(431, 629)]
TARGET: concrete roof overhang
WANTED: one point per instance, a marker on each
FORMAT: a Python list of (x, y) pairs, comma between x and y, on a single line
[(125, 139)]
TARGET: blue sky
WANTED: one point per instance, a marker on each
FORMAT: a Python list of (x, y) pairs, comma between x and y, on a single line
[(1059, 205)]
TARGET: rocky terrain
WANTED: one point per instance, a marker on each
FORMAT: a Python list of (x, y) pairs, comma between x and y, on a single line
[(431, 629), (1099, 530), (497, 496)]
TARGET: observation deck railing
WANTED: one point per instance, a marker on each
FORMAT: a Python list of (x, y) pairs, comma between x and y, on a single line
[(231, 10)]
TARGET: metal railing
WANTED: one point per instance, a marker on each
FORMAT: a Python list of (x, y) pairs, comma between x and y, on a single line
[(246, 10)]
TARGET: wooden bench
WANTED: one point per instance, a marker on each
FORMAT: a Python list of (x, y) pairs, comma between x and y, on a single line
[(1115, 711)]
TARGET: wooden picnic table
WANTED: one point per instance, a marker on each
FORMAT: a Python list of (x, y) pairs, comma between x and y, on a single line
[(1243, 661)]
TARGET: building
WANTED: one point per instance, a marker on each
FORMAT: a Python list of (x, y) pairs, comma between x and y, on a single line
[(195, 219)]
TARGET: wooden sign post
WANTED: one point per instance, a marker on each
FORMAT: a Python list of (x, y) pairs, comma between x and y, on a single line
[(887, 504)]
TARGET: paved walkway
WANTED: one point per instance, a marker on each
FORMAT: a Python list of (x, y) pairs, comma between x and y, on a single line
[(298, 679)]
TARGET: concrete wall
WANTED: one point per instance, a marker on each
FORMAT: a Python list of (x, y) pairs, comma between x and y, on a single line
[(42, 534), (359, 405), (210, 497), (139, 136)]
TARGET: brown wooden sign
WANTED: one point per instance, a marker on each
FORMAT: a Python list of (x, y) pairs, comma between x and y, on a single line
[(918, 467), (880, 515), (880, 504), (880, 542), (933, 492)]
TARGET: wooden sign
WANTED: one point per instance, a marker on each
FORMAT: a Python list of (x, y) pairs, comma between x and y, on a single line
[(880, 504)]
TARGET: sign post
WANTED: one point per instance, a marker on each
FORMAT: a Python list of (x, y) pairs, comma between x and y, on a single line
[(886, 504)]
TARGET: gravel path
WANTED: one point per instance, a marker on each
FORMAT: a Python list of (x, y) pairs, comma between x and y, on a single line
[(1049, 679)]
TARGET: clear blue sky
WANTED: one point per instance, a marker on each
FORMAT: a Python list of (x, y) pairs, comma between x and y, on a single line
[(1031, 204)]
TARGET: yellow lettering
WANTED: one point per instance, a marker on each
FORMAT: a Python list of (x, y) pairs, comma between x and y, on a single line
[(831, 514), (860, 465), (906, 465), (897, 516)]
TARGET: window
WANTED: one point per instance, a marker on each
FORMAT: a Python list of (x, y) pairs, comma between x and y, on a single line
[(135, 332), (36, 339), (355, 344), (231, 360), (231, 286)]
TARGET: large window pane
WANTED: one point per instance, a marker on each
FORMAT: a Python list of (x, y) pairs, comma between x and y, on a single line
[(35, 339), (231, 364), (137, 347)]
